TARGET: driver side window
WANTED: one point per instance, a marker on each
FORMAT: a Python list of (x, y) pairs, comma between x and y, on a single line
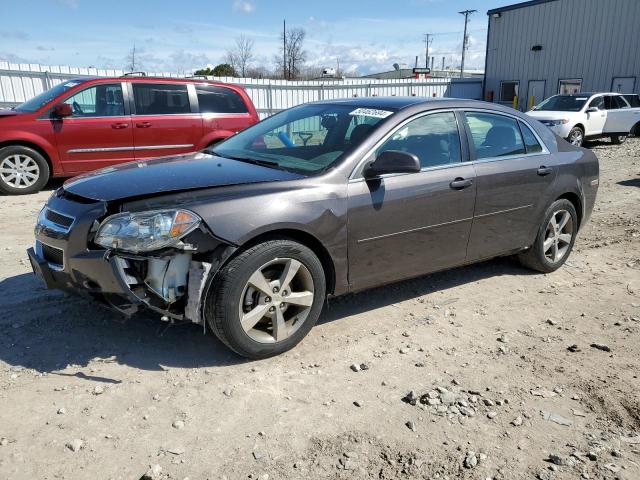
[(597, 103), (103, 100), (433, 138)]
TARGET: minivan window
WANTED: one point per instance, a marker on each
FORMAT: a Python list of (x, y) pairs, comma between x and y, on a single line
[(45, 97), (433, 138), (160, 98), (104, 100), (213, 99), (494, 135)]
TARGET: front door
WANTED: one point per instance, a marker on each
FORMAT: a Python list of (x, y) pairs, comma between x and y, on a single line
[(405, 225), (98, 133), (164, 121), (514, 173), (596, 120), (535, 93)]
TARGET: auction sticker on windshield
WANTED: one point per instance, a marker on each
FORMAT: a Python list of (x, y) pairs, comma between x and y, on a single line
[(371, 112)]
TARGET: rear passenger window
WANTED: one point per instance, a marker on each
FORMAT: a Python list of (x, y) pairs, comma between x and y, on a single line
[(160, 99), (433, 138), (219, 100), (530, 141), (494, 135)]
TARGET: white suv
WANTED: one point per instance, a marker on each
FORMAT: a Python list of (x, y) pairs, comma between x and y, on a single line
[(581, 116)]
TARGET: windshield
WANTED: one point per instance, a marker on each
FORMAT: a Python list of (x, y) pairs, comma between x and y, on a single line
[(45, 97), (304, 139), (562, 103)]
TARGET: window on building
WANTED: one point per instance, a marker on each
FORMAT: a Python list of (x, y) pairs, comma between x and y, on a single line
[(508, 91), (219, 100), (160, 99), (494, 135), (569, 86)]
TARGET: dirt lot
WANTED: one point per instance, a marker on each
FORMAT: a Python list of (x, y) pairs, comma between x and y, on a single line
[(497, 392)]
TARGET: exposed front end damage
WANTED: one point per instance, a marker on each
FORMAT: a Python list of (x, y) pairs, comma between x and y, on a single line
[(172, 281)]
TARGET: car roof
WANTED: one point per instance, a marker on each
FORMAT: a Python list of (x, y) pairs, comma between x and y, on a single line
[(153, 79)]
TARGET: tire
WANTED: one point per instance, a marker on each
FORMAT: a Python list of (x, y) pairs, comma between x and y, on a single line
[(618, 139), (18, 165), (235, 300), (548, 259), (576, 136)]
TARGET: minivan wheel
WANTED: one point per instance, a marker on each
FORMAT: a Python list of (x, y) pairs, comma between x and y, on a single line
[(266, 299), (554, 240), (22, 170), (618, 139), (576, 136)]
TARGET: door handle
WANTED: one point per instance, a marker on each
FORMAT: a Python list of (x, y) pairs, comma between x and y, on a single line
[(542, 171), (460, 183), (143, 124), (119, 125)]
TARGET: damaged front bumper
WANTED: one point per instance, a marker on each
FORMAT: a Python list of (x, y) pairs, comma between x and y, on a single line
[(173, 282)]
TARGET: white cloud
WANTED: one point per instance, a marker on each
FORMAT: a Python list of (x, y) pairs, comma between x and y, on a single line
[(244, 6)]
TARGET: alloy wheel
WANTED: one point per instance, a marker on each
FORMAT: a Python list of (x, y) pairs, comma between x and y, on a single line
[(19, 171), (276, 300), (558, 236), (576, 138)]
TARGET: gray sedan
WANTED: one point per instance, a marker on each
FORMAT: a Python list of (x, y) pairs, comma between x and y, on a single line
[(249, 238)]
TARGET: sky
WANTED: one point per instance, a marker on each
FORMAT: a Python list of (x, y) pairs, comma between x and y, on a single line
[(364, 36)]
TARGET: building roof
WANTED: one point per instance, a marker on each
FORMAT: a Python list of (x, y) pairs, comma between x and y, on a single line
[(516, 6)]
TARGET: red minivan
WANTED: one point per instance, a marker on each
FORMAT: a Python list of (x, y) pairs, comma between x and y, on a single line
[(88, 123)]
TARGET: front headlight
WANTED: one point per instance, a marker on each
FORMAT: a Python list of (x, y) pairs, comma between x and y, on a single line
[(145, 231), (553, 123)]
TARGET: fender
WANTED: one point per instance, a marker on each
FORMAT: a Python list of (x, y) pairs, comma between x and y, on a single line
[(22, 137)]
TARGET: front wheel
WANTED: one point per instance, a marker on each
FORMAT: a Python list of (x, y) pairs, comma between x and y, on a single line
[(266, 299), (576, 137), (22, 170), (554, 240), (618, 139)]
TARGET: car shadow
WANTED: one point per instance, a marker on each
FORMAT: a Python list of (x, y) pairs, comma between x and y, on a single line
[(48, 331), (632, 182)]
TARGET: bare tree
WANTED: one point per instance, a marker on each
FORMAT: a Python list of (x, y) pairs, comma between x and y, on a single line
[(241, 55), (294, 55)]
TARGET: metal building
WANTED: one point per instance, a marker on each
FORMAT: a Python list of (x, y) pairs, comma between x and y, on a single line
[(539, 48)]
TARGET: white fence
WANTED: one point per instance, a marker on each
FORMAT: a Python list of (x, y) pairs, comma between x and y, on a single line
[(19, 82)]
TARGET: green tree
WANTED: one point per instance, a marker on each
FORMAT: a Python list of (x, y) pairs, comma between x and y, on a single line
[(224, 70), (204, 72)]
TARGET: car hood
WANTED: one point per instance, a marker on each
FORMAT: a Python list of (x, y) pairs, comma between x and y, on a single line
[(8, 113), (550, 114), (170, 174)]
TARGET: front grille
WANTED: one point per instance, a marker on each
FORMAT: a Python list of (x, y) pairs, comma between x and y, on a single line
[(58, 218), (53, 255)]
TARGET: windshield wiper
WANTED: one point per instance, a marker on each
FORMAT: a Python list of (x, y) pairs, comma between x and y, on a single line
[(255, 161)]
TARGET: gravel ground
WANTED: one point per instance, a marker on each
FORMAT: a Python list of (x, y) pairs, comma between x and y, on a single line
[(487, 371)]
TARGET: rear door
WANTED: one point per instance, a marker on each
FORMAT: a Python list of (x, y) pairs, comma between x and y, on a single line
[(514, 172), (98, 133), (165, 119), (405, 225), (620, 117), (223, 111)]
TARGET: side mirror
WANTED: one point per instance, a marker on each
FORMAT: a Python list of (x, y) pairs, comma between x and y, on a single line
[(392, 161), (592, 110), (62, 110)]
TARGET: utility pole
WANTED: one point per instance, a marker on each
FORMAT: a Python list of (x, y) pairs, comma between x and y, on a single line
[(426, 48), (284, 49), (466, 14)]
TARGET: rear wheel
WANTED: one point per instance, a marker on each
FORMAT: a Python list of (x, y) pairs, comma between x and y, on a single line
[(267, 299), (22, 170), (554, 240), (618, 139), (576, 136)]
